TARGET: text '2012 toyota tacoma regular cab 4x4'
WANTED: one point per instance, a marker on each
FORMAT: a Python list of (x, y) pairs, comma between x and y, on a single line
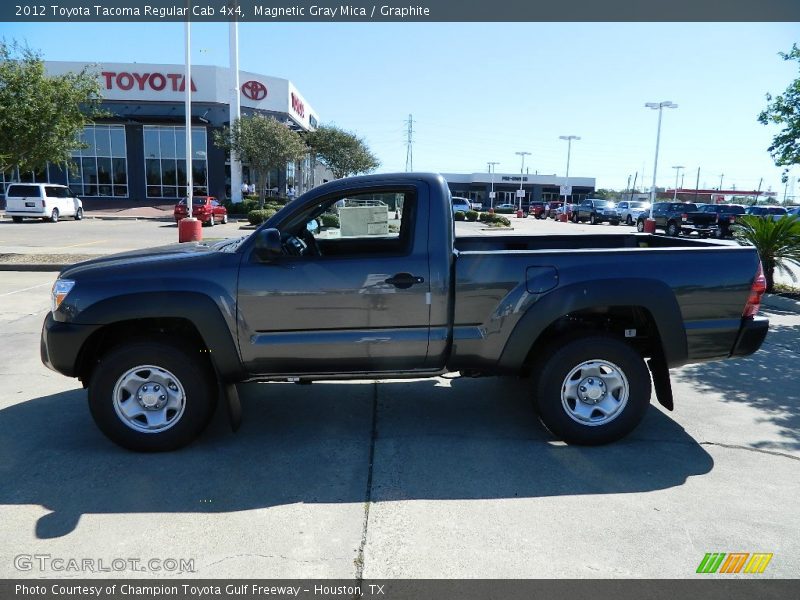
[(158, 336)]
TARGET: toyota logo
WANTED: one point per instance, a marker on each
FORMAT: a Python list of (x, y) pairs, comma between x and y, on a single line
[(255, 90)]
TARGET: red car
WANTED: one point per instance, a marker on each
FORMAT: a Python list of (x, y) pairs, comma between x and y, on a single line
[(205, 209)]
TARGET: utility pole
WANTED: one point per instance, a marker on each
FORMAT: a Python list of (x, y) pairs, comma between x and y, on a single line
[(697, 185), (520, 193), (410, 144), (675, 193), (635, 177), (720, 181), (492, 166), (758, 191)]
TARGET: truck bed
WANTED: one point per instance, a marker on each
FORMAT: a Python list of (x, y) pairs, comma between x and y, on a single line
[(574, 242)]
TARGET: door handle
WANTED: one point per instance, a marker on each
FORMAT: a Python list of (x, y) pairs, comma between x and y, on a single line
[(404, 281)]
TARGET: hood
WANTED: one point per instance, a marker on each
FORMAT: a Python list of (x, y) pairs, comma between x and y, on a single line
[(140, 258)]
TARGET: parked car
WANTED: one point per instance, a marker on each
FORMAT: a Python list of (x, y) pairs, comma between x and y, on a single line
[(774, 212), (477, 206), (536, 210), (596, 211), (460, 204), (551, 209), (668, 216), (629, 210), (793, 211), (48, 201), (505, 209), (160, 335), (570, 210), (713, 219), (205, 209)]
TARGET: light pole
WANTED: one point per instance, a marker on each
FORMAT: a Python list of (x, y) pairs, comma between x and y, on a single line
[(567, 189), (520, 193), (721, 176), (492, 166), (650, 224), (677, 170)]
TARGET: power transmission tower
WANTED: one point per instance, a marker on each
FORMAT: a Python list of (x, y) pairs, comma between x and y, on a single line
[(410, 144)]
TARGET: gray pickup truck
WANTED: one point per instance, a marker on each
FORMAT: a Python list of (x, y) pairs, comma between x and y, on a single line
[(386, 290)]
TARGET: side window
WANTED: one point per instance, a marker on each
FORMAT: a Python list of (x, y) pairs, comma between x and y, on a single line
[(365, 224), (56, 192)]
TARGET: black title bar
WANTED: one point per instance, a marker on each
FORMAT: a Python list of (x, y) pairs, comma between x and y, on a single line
[(325, 11)]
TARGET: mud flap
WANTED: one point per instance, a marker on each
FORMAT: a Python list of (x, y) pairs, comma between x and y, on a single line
[(231, 396), (661, 381)]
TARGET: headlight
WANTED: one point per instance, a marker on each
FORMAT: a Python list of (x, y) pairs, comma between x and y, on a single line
[(60, 290)]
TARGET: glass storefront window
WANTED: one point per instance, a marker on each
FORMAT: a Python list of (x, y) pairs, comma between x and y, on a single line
[(100, 169), (165, 160)]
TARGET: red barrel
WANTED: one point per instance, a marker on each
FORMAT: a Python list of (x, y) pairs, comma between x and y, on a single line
[(190, 230), (649, 225), (520, 214)]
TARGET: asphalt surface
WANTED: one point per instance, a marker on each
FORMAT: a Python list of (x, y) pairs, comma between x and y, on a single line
[(431, 478)]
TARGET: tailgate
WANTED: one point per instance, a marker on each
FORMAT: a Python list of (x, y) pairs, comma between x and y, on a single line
[(25, 204)]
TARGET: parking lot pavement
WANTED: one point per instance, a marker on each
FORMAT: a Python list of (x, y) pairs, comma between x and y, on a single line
[(464, 481)]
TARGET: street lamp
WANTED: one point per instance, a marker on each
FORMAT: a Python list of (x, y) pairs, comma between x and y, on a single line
[(677, 170), (492, 166), (567, 189), (650, 224), (520, 193)]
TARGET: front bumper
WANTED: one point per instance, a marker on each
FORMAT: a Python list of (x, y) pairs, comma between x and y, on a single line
[(61, 344), (751, 336)]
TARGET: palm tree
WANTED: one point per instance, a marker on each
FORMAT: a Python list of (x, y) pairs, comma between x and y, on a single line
[(777, 242)]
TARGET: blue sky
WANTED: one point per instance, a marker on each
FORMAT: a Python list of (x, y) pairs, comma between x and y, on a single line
[(482, 91)]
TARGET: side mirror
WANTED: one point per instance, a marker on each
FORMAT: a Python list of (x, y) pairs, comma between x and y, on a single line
[(268, 244)]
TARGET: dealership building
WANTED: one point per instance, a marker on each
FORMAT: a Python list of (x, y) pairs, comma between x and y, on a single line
[(478, 186), (136, 156)]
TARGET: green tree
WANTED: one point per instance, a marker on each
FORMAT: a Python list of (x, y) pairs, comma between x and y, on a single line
[(777, 242), (264, 143), (784, 110), (343, 152), (41, 116)]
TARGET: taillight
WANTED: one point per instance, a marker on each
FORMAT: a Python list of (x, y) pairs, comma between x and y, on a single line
[(44, 203), (732, 219), (684, 217), (756, 291)]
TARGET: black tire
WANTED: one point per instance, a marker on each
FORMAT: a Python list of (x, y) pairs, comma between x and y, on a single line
[(225, 219), (574, 217), (673, 230), (615, 223), (640, 225), (211, 221), (629, 221), (592, 219), (192, 375), (16, 219), (79, 214), (552, 380), (54, 216)]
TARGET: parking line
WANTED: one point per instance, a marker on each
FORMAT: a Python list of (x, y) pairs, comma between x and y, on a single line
[(84, 244), (33, 287)]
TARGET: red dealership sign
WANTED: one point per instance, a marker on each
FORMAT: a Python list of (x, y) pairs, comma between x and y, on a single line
[(255, 90), (298, 106), (157, 82)]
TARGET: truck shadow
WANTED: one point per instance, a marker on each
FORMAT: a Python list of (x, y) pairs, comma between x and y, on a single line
[(766, 380), (435, 439)]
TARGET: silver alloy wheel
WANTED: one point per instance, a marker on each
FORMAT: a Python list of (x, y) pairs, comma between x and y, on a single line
[(595, 392), (149, 399)]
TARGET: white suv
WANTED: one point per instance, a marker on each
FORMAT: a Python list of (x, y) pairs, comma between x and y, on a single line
[(48, 201), (461, 204)]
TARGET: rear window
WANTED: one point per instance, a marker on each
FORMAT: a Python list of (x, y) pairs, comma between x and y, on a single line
[(18, 191), (776, 210), (732, 209)]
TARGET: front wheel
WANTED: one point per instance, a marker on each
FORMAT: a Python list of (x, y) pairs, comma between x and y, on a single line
[(152, 396), (211, 221), (592, 390), (640, 225), (629, 221), (592, 219), (225, 219)]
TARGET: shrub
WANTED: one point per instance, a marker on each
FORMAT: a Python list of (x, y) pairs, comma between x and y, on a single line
[(460, 215), (494, 220), (329, 220), (484, 217), (258, 216), (472, 215)]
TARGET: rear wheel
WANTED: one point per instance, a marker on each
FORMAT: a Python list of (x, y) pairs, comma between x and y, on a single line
[(152, 396), (79, 214), (672, 229), (54, 216), (592, 390)]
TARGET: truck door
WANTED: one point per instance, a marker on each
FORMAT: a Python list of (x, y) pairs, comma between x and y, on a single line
[(349, 296)]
